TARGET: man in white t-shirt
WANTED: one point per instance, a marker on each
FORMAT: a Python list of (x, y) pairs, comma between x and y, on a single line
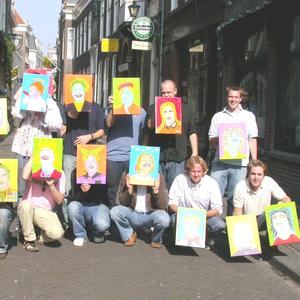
[(229, 172), (255, 193)]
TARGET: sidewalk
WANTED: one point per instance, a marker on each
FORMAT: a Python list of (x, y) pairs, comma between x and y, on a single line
[(286, 260)]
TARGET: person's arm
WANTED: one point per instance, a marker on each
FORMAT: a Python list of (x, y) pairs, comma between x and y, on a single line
[(212, 213), (194, 143), (159, 195), (237, 211), (175, 195), (58, 197), (53, 119), (86, 138), (253, 148), (27, 170), (285, 198), (214, 141), (110, 119)]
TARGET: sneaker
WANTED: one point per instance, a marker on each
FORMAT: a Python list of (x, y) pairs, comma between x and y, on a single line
[(31, 246), (210, 244), (78, 242), (156, 245), (132, 240), (3, 255), (99, 239)]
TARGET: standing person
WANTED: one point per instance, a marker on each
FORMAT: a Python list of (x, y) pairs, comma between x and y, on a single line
[(255, 193), (229, 172), (87, 209), (174, 148), (141, 207), (37, 209), (195, 189), (32, 125), (124, 131), (81, 128)]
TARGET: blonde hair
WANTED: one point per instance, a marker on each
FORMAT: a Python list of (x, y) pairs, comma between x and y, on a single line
[(139, 161), (161, 109), (193, 161)]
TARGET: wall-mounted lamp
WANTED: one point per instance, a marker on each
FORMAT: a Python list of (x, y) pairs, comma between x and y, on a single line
[(134, 9), (17, 39)]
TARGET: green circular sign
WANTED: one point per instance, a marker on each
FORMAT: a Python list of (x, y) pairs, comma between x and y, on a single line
[(142, 28)]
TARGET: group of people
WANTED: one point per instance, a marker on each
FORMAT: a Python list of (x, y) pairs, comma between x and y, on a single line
[(183, 179)]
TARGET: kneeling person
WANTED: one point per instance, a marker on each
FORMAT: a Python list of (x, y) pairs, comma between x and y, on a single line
[(37, 209), (87, 209), (195, 189), (142, 207)]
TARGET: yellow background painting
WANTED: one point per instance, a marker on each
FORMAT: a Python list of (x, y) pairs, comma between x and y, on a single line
[(4, 126), (12, 166)]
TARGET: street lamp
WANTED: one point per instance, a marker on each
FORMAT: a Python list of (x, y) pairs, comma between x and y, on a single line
[(133, 9), (17, 39)]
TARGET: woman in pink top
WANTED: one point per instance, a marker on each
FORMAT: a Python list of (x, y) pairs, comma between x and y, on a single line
[(37, 208)]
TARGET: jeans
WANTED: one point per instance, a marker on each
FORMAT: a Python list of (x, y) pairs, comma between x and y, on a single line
[(69, 165), (114, 172), (93, 215), (127, 220), (261, 221), (170, 170), (228, 176), (6, 218)]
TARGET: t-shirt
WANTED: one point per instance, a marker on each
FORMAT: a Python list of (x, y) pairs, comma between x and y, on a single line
[(40, 194), (174, 147), (141, 204), (85, 123), (241, 116), (126, 131), (205, 194), (255, 202)]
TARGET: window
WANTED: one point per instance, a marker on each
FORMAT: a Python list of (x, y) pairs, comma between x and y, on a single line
[(84, 34), (80, 37), (101, 23), (116, 15), (70, 43), (90, 30), (174, 4), (288, 109), (77, 41), (108, 18)]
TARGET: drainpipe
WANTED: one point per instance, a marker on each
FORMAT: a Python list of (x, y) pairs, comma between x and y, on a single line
[(162, 10)]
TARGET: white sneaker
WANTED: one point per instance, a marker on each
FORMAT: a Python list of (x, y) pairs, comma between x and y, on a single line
[(78, 242)]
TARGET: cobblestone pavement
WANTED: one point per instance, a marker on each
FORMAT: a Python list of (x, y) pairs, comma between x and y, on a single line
[(111, 271)]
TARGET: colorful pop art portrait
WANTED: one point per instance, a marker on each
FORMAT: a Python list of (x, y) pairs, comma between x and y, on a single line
[(127, 96), (8, 180), (47, 158), (78, 92), (282, 224), (35, 92), (4, 125), (168, 115), (190, 227), (233, 141), (91, 164), (143, 165), (44, 72), (243, 235)]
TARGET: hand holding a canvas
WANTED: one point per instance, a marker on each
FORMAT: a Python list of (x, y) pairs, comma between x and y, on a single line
[(85, 187), (155, 188), (83, 139), (129, 186)]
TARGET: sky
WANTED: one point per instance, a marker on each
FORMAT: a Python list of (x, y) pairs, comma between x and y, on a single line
[(42, 15)]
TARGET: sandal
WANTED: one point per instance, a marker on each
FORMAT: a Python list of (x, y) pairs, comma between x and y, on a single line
[(31, 246)]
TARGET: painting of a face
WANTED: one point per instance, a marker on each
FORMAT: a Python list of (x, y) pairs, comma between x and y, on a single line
[(281, 225), (78, 92), (127, 96), (4, 179), (46, 156), (145, 165), (91, 165), (191, 228), (168, 115), (243, 236), (34, 92)]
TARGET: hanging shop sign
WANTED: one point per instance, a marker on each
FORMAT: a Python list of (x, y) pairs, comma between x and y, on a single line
[(142, 28)]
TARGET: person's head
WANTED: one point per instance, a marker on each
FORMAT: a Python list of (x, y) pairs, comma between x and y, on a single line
[(168, 113), (256, 171), (281, 226), (126, 93), (234, 97), (195, 168), (46, 157), (4, 178), (78, 89), (36, 89), (168, 88), (91, 165), (144, 164)]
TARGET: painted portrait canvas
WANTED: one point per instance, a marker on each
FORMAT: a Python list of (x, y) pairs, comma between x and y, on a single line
[(47, 158), (91, 164), (127, 96), (78, 92), (232, 141), (243, 235), (168, 115), (143, 165), (282, 224), (44, 72), (35, 92), (190, 227), (4, 125), (8, 180)]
